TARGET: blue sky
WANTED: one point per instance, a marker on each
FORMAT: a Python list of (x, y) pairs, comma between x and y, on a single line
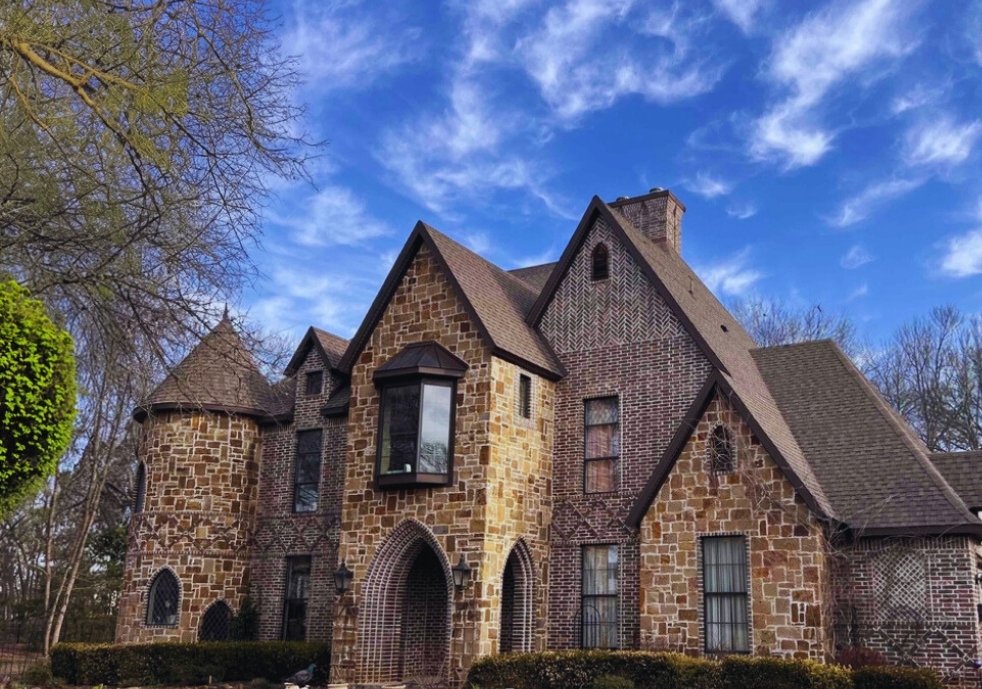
[(827, 153)]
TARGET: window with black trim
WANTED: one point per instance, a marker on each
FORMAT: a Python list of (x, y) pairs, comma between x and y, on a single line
[(314, 383), (307, 471), (525, 396), (416, 431), (600, 604), (721, 457), (724, 582), (600, 263), (295, 598), (140, 498), (602, 445), (216, 624), (163, 600)]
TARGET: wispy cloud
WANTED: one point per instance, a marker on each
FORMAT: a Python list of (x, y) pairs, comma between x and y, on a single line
[(586, 54), (741, 211), (708, 186), (862, 205), (917, 96), (347, 44), (333, 216), (963, 255), (812, 58), (859, 292), (732, 276), (856, 257), (741, 12), (941, 141)]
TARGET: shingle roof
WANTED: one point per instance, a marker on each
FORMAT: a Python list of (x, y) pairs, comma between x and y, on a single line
[(497, 300), (330, 346), (422, 358), (963, 472), (337, 404), (534, 276), (218, 375), (873, 468)]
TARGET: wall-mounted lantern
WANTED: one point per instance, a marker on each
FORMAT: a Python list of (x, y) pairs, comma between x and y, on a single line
[(342, 578), (461, 573)]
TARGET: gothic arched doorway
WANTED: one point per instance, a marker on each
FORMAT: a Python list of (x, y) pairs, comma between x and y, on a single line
[(516, 601), (405, 618)]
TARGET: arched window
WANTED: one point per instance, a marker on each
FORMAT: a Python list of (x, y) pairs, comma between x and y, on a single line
[(141, 488), (601, 263), (216, 623), (162, 603), (721, 457)]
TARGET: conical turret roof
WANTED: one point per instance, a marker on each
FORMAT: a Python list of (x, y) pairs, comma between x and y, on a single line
[(219, 374)]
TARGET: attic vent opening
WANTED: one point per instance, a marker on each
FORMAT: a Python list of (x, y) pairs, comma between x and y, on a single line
[(724, 328), (601, 263), (721, 456)]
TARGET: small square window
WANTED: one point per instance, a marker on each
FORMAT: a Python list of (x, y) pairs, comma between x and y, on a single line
[(525, 396), (314, 384)]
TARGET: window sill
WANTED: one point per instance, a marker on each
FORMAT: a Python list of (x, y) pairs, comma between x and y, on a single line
[(411, 480)]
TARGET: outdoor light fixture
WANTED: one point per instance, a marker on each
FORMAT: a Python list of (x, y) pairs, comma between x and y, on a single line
[(461, 573), (342, 578)]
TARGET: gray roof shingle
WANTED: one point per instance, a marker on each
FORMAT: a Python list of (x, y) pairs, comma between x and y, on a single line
[(963, 472)]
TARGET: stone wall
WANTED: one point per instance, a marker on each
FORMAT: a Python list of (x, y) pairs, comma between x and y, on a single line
[(202, 483), (615, 337), (281, 533), (912, 599), (788, 560)]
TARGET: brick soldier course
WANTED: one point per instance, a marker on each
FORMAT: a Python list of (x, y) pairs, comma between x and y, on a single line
[(594, 448)]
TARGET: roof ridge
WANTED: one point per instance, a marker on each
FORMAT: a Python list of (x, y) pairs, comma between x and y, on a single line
[(903, 431)]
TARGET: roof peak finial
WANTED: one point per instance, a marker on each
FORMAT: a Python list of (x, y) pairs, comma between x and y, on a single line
[(225, 316)]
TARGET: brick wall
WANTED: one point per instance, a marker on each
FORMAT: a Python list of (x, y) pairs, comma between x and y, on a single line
[(202, 482), (788, 562), (615, 337), (912, 599)]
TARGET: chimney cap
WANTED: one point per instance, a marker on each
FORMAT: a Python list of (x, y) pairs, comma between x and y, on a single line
[(654, 190)]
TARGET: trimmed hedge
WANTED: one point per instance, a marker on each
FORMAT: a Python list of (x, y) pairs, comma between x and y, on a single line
[(580, 669), (184, 664)]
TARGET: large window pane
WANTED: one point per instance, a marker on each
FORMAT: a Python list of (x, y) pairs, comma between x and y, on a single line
[(724, 563), (295, 598), (400, 426), (600, 616), (307, 469), (434, 443), (602, 438)]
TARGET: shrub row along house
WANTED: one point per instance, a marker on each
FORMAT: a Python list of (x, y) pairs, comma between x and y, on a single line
[(589, 453)]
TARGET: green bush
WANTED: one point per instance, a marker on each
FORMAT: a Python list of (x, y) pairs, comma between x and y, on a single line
[(646, 670), (891, 677), (183, 664), (38, 675)]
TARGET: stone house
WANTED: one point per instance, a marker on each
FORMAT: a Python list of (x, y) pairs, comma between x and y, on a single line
[(588, 453)]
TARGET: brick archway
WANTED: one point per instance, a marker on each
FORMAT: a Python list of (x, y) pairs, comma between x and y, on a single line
[(517, 601), (404, 625)]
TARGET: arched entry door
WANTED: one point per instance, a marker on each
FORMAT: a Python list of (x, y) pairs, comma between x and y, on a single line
[(405, 617), (516, 602)]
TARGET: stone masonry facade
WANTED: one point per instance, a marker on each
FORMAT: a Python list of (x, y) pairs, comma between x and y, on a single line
[(219, 501)]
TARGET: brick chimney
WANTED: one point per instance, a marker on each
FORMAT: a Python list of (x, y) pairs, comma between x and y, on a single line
[(657, 214)]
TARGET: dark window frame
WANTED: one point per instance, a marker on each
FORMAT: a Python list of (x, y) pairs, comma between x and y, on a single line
[(415, 477), (616, 596), (212, 629), (736, 595), (298, 456), (311, 376), (615, 459), (525, 395), (600, 263), (722, 457), (295, 563), (163, 575), (140, 499)]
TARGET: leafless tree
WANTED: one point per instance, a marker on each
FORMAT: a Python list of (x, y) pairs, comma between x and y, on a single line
[(772, 322)]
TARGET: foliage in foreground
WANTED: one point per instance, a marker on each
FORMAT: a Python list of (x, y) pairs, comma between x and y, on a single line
[(37, 393), (186, 664), (646, 670)]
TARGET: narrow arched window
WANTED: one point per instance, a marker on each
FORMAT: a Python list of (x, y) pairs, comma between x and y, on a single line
[(601, 263), (162, 603), (216, 623), (141, 487), (721, 457)]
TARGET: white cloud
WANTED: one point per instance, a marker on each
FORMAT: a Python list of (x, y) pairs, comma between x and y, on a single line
[(740, 12), (589, 53), (860, 206), (731, 277), (812, 58), (963, 255), (339, 45), (859, 292), (941, 141), (741, 211), (916, 97), (332, 216), (708, 186), (854, 258)]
